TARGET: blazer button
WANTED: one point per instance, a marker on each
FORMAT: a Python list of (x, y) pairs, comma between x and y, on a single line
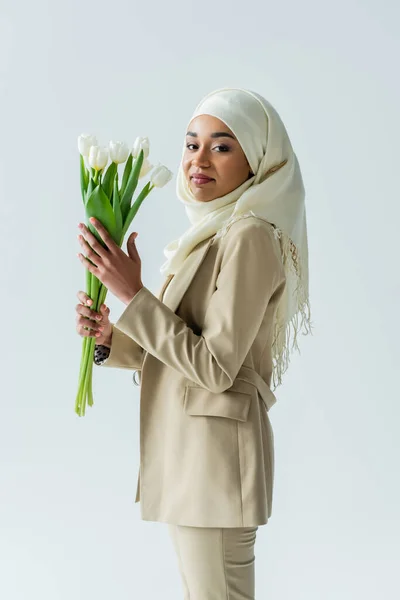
[(134, 378)]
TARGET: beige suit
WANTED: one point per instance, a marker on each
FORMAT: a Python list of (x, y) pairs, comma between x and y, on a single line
[(204, 357)]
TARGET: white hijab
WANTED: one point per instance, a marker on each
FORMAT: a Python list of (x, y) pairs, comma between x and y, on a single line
[(275, 193)]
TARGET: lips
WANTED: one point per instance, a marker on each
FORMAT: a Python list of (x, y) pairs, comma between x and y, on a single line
[(201, 177)]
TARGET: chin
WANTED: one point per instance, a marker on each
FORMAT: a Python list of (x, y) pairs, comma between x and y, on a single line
[(199, 193)]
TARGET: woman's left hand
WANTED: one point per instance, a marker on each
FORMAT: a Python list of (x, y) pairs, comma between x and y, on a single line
[(120, 273)]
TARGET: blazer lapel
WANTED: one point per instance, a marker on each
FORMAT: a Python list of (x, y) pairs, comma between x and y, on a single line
[(175, 285)]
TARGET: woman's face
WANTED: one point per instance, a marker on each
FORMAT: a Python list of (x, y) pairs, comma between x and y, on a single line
[(213, 150)]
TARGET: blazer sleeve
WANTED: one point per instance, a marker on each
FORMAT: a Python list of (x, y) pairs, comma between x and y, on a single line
[(251, 270), (125, 352)]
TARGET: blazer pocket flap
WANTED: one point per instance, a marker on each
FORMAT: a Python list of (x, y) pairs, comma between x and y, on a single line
[(229, 404)]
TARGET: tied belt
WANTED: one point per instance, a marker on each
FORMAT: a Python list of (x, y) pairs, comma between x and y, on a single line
[(245, 374), (250, 375)]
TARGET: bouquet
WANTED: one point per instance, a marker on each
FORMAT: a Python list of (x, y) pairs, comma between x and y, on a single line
[(110, 201)]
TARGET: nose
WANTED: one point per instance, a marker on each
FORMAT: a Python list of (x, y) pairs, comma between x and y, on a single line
[(201, 158)]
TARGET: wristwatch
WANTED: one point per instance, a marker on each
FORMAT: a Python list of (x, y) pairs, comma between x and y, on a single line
[(101, 353)]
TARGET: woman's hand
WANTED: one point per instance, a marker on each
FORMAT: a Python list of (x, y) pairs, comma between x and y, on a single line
[(99, 323), (120, 273)]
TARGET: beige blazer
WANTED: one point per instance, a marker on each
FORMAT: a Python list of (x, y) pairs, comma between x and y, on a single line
[(204, 357)]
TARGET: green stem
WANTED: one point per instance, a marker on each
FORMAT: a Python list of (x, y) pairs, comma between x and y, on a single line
[(90, 390), (87, 352), (82, 375), (88, 363), (88, 366), (97, 292), (77, 400)]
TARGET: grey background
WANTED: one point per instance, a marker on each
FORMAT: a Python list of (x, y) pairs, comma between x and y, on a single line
[(68, 524)]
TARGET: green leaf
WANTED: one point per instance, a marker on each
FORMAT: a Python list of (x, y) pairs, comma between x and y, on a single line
[(135, 207), (127, 172), (84, 177), (90, 188), (126, 197), (117, 210), (108, 179), (98, 206)]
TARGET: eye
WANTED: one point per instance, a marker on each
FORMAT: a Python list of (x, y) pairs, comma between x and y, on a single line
[(224, 148)]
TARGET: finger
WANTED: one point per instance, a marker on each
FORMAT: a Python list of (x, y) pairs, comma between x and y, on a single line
[(91, 244), (89, 248), (105, 236), (132, 243), (84, 332), (88, 332), (84, 298), (89, 323), (86, 311), (93, 268)]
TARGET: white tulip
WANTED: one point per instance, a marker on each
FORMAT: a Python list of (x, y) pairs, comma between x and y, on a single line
[(98, 157), (119, 152), (84, 142), (141, 143), (160, 176), (146, 167)]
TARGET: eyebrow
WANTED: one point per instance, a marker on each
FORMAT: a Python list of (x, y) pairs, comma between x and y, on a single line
[(217, 134)]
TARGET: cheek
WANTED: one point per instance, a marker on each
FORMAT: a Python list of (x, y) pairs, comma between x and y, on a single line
[(233, 172), (185, 164), (233, 168)]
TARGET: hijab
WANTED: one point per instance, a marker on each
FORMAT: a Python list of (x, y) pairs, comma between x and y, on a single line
[(275, 193)]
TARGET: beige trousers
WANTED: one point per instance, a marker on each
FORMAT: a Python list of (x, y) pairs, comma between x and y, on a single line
[(215, 563)]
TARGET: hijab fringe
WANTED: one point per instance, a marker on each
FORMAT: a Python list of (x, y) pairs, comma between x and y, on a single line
[(285, 332)]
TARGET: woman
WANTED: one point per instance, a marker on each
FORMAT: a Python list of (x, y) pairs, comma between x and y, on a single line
[(210, 347)]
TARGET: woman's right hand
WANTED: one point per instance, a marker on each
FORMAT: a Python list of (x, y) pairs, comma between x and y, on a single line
[(101, 329)]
